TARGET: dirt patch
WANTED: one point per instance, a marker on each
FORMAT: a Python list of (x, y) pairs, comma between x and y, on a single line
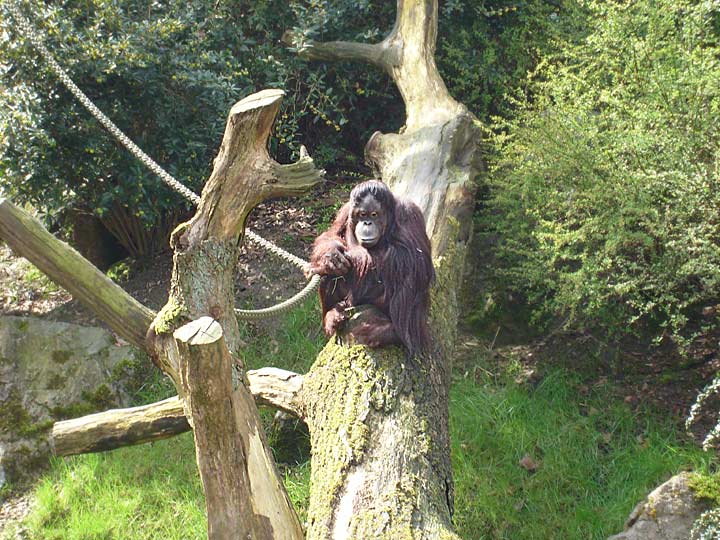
[(15, 509)]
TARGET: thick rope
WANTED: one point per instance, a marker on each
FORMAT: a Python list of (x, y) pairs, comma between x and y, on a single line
[(27, 29)]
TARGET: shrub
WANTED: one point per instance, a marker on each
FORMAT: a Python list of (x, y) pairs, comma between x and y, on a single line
[(604, 186), (167, 74), (487, 48)]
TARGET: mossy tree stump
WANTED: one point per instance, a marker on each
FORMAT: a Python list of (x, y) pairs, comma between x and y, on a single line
[(378, 422)]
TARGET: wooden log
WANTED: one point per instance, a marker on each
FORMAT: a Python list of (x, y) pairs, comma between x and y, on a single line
[(202, 285), (61, 263), (116, 428), (119, 427), (393, 478), (230, 443)]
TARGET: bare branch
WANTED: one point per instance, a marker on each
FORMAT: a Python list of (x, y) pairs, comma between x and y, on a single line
[(382, 55), (116, 428), (119, 427), (66, 267), (277, 388)]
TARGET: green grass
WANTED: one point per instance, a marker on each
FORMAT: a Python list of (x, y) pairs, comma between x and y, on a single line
[(596, 459), (290, 343)]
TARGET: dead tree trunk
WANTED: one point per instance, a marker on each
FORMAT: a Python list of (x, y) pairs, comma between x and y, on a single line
[(244, 492), (195, 337), (378, 423)]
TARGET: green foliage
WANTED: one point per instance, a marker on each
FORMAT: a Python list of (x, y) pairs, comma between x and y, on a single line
[(487, 48), (605, 200), (119, 271), (707, 487), (37, 280), (167, 75)]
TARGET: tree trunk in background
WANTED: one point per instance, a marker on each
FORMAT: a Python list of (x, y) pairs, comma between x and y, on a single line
[(378, 422)]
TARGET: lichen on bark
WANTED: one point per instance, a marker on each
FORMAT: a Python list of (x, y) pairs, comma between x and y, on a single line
[(170, 317), (338, 434), (444, 308), (379, 468)]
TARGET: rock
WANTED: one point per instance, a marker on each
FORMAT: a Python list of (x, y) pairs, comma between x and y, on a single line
[(52, 371), (668, 513)]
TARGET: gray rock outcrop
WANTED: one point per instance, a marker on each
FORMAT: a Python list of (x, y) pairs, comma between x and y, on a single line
[(668, 513), (52, 371)]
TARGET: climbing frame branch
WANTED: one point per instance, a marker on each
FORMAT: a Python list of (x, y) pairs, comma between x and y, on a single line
[(63, 265), (271, 387), (211, 381)]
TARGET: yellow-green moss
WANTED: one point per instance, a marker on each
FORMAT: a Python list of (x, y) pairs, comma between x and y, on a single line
[(169, 318), (61, 357), (56, 382), (75, 410), (102, 397), (706, 487), (444, 307), (338, 391), (15, 419)]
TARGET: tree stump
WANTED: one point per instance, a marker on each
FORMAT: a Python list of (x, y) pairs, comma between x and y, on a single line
[(379, 422)]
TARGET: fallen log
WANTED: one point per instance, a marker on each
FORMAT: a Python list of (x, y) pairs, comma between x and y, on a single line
[(137, 425)]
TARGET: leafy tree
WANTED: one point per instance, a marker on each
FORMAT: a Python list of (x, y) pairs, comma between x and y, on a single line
[(167, 74), (605, 199)]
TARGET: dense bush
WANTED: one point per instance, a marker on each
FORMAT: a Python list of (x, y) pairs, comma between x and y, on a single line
[(168, 72), (487, 48), (605, 200)]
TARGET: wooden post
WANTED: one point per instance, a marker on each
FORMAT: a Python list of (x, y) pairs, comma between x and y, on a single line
[(229, 454), (236, 465)]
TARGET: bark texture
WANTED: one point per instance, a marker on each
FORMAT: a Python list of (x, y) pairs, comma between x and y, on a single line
[(243, 487), (379, 422), (28, 238), (119, 427), (239, 477)]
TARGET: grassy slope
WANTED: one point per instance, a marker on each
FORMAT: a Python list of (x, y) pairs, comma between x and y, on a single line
[(595, 459)]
